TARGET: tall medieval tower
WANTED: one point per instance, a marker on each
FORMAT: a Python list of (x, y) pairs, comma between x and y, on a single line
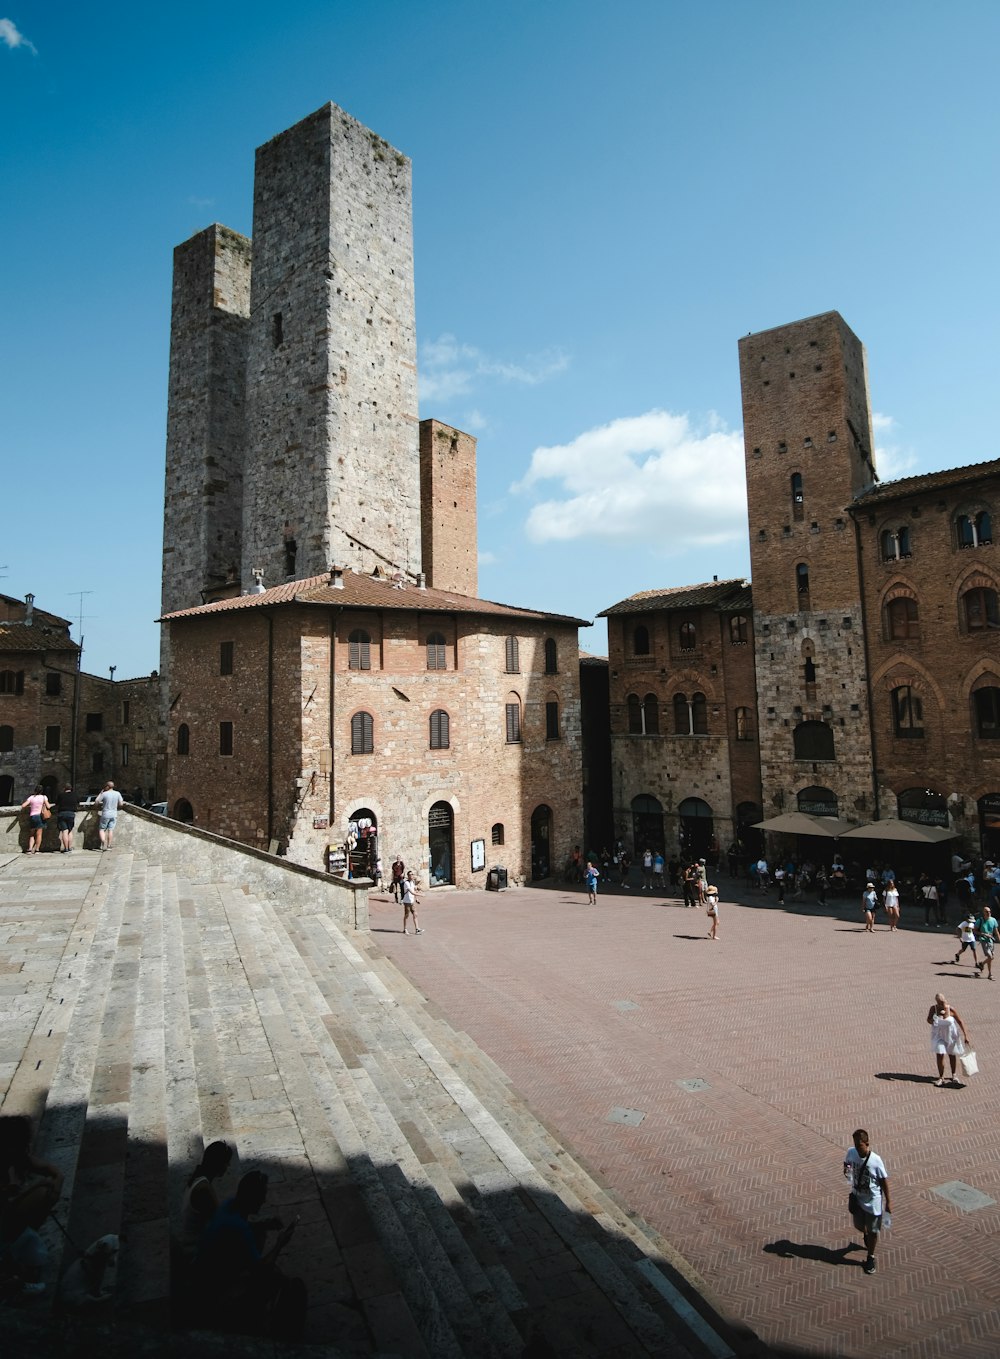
[(807, 430), (292, 428)]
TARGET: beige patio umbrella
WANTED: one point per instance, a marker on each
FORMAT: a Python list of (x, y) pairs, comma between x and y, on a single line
[(799, 823), (894, 829)]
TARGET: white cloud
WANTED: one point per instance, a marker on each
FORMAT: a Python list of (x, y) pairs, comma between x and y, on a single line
[(448, 368), (10, 36), (892, 459), (474, 422), (650, 478), (487, 558)]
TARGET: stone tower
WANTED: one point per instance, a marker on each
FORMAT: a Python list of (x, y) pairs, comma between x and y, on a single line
[(203, 493), (449, 541), (332, 470), (807, 430)]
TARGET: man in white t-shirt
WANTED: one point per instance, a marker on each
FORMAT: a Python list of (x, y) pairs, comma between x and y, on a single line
[(109, 804), (869, 1201)]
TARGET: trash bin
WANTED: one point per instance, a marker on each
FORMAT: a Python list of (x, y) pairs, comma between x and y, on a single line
[(496, 880)]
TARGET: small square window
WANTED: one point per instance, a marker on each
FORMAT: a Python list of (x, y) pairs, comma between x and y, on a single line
[(53, 683), (94, 722)]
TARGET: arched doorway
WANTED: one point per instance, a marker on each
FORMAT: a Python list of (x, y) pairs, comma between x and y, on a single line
[(924, 806), (989, 826), (183, 811), (647, 824), (747, 836), (441, 841), (816, 801), (541, 842), (50, 786), (697, 827), (362, 843)]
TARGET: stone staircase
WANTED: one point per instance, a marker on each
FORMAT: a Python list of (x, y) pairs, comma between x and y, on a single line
[(437, 1216)]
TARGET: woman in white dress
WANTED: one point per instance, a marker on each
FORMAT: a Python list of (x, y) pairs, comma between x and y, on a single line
[(948, 1037), (892, 905)]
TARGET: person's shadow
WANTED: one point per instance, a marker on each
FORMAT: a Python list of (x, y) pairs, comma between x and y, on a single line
[(806, 1250), (905, 1076)]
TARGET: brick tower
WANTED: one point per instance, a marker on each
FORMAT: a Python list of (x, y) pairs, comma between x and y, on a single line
[(448, 508), (332, 470), (807, 430)]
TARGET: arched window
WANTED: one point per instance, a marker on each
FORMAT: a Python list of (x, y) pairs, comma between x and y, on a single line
[(739, 632), (682, 716), (687, 636), (817, 801), (512, 656), (440, 730), (974, 530), (802, 580), (6, 739), (809, 671), (551, 656), (987, 710), (982, 610), (744, 730), (640, 641), (496, 834), (436, 651), (651, 715), (907, 713), (798, 499), (634, 708), (183, 739), (699, 715), (362, 734), (359, 654), (894, 544), (11, 681), (513, 718), (813, 741), (902, 619)]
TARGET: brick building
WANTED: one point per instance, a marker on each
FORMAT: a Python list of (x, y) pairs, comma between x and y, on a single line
[(684, 752), (60, 725), (873, 635), (326, 660), (447, 727)]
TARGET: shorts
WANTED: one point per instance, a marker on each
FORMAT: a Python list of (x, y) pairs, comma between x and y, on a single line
[(36, 822), (987, 946), (108, 822), (866, 1222), (67, 820)]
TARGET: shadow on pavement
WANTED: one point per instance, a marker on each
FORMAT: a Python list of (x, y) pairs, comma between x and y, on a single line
[(806, 1250), (904, 1076)]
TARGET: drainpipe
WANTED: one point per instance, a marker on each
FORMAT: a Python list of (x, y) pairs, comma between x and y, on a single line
[(270, 727), (76, 716), (334, 615)]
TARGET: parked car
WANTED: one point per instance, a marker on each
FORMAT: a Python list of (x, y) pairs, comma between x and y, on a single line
[(160, 808)]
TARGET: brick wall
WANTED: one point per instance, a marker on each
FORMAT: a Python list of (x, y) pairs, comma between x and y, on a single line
[(448, 508)]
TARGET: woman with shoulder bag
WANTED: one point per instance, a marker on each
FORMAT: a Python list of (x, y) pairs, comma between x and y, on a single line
[(39, 809)]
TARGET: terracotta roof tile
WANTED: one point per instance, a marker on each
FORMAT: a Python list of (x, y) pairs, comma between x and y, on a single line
[(930, 481), (360, 591), (728, 596), (21, 637)]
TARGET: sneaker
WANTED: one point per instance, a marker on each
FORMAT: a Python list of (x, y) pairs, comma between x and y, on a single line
[(419, 931), (870, 1265)]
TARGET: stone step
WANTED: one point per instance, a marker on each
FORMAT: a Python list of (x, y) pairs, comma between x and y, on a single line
[(561, 1204), (478, 1313)]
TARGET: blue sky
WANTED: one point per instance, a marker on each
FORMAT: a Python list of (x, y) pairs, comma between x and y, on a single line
[(605, 199)]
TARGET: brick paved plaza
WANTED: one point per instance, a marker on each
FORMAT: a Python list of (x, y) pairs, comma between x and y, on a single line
[(751, 1060)]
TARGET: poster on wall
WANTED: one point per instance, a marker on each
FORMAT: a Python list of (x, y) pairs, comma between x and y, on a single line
[(478, 855)]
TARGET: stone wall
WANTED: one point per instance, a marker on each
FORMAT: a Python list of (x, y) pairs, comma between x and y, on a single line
[(807, 429), (292, 775), (332, 469)]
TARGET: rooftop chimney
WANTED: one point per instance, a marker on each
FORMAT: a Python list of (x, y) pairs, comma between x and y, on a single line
[(29, 610), (336, 577), (258, 581)]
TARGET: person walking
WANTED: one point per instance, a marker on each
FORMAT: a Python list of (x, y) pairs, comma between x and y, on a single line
[(892, 904), (869, 904), (398, 873), (868, 1203), (66, 807), (39, 809), (987, 927), (109, 804), (591, 877), (410, 903), (647, 869), (658, 867), (929, 892), (712, 907), (688, 881), (967, 936), (948, 1036)]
